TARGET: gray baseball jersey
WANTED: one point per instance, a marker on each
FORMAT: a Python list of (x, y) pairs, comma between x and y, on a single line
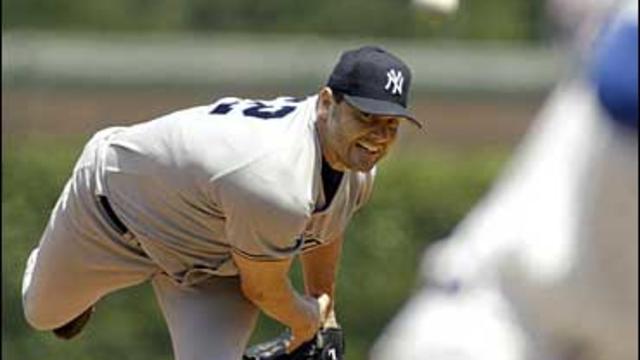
[(190, 187), (238, 174)]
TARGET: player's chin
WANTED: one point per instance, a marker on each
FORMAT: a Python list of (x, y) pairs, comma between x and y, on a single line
[(365, 162)]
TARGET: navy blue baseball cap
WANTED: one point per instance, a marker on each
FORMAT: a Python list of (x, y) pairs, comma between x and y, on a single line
[(374, 81)]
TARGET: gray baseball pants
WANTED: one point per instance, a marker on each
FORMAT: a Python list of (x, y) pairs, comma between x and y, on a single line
[(81, 257)]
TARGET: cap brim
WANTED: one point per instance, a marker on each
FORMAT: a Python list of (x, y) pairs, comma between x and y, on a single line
[(380, 107)]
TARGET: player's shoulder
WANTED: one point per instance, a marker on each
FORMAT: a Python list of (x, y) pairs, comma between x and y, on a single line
[(277, 135), (268, 183), (233, 133), (284, 171), (273, 123), (275, 156)]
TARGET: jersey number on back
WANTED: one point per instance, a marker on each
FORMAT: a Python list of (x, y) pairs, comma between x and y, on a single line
[(264, 110)]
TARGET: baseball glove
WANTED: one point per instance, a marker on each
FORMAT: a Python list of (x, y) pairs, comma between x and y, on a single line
[(327, 344)]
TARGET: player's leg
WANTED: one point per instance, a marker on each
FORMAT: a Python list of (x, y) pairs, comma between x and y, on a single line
[(210, 320), (80, 257)]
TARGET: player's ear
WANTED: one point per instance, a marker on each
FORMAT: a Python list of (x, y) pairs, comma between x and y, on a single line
[(325, 102)]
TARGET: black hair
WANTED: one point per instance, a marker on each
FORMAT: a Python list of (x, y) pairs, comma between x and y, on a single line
[(338, 96)]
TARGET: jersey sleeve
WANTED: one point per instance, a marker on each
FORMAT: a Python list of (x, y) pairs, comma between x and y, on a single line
[(263, 220)]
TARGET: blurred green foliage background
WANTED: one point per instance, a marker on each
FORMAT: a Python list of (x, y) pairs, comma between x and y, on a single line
[(519, 20)]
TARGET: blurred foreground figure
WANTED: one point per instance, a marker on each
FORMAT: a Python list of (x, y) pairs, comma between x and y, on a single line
[(546, 266)]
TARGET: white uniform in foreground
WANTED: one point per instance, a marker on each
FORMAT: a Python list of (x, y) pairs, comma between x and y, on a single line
[(546, 266)]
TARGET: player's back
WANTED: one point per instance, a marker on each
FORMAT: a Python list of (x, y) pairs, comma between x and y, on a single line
[(212, 139), (168, 177)]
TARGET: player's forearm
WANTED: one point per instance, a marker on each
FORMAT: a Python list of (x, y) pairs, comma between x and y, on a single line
[(287, 306), (320, 267), (298, 312), (267, 285)]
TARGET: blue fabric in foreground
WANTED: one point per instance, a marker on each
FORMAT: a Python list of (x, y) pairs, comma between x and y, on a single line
[(614, 71)]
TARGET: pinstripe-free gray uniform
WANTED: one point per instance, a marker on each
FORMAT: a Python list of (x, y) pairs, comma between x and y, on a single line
[(189, 187)]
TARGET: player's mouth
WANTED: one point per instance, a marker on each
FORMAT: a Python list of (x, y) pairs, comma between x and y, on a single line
[(371, 149)]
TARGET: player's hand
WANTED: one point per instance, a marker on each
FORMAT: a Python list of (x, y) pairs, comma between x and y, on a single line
[(330, 321), (304, 334)]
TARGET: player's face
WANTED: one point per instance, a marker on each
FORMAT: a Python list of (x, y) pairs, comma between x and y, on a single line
[(356, 140)]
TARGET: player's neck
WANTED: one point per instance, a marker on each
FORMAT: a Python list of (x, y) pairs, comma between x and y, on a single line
[(331, 157), (331, 179)]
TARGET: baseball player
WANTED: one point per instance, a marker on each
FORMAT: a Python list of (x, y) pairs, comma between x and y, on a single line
[(546, 266), (212, 203)]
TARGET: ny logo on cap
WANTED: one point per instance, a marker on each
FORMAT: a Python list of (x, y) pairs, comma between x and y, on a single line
[(332, 354), (394, 82)]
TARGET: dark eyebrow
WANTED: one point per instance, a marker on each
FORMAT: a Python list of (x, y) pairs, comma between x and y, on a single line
[(367, 117), (363, 116)]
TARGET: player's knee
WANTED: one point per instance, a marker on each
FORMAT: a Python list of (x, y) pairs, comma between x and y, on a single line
[(36, 310), (37, 314), (43, 312)]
